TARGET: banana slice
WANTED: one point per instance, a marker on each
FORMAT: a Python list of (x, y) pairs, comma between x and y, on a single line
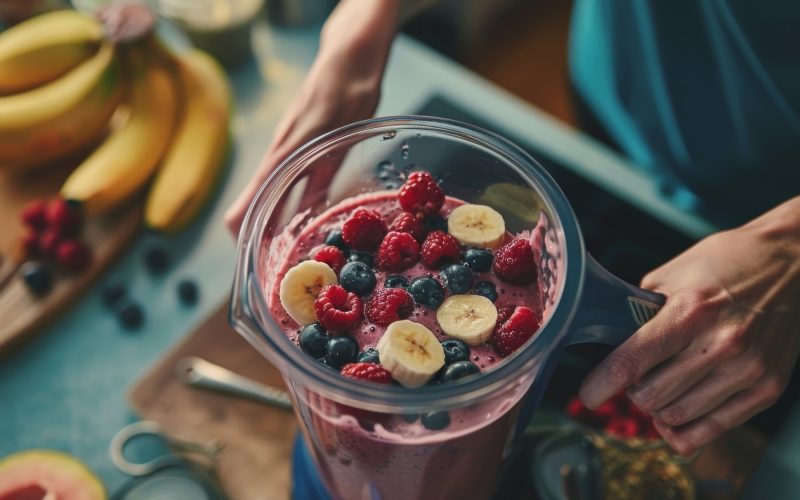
[(300, 287), (411, 352), (477, 226), (470, 318)]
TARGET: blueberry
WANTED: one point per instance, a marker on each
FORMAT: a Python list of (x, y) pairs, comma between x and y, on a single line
[(314, 340), (334, 238), (487, 289), (357, 277), (369, 356), (130, 315), (458, 370), (112, 293), (457, 277), (187, 292), (340, 351), (479, 259), (436, 420), (366, 258), (324, 362), (436, 223), (426, 291), (37, 277), (395, 281), (410, 417), (455, 350), (156, 260)]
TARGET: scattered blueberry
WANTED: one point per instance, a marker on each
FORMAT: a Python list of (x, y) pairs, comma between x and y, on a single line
[(357, 277), (458, 370), (436, 223), (112, 293), (156, 260), (395, 281), (436, 420), (314, 340), (426, 291), (455, 350), (37, 277), (369, 356), (410, 417), (457, 277), (366, 258), (130, 315), (340, 351), (187, 292), (479, 259), (334, 238), (487, 289)]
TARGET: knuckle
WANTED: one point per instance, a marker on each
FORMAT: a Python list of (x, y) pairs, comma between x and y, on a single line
[(733, 342), (773, 386), (673, 415), (755, 369)]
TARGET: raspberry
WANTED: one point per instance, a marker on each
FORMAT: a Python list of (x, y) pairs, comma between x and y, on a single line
[(421, 194), (364, 230), (332, 256), (367, 371), (625, 427), (397, 252), (30, 243), (409, 223), (48, 241), (514, 263), (516, 330), (439, 248), (388, 305), (34, 215), (503, 313), (576, 410), (605, 413), (73, 255), (62, 217), (337, 309)]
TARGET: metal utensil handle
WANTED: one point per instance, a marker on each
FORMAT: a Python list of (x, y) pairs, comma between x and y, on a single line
[(198, 372)]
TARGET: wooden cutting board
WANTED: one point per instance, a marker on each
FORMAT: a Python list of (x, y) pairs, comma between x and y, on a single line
[(255, 461), (23, 313)]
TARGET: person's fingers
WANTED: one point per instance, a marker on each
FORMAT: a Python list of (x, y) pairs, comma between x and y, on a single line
[(735, 411), (656, 341)]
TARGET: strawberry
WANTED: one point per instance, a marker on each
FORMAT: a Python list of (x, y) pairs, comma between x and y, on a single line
[(388, 305), (409, 223), (439, 248), (421, 194), (514, 262), (364, 230), (370, 372), (397, 252), (511, 334), (332, 256), (337, 309)]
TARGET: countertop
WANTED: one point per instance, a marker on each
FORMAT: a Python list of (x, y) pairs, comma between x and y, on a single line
[(65, 388)]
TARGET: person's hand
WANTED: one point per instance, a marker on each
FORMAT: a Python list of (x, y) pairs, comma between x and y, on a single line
[(342, 86), (723, 347)]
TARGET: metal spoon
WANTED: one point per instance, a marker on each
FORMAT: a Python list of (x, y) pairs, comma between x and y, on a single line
[(198, 372)]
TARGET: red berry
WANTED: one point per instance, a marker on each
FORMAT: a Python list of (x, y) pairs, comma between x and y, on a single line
[(605, 413), (364, 230), (439, 248), (62, 217), (73, 255), (503, 313), (576, 409), (388, 305), (367, 371), (625, 427), (332, 256), (337, 309), (514, 262), (409, 223), (34, 215), (30, 243), (397, 252), (421, 194), (516, 330), (48, 241)]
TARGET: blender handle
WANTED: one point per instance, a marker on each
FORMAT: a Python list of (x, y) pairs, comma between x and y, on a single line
[(611, 309)]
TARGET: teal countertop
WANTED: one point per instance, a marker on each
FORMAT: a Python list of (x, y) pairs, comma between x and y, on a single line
[(66, 387)]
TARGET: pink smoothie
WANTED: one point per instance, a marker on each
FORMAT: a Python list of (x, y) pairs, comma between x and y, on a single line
[(359, 452)]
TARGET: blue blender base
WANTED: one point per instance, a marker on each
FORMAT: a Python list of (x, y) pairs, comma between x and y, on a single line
[(306, 483)]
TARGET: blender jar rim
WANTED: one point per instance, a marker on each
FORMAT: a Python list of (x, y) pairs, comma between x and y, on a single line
[(285, 354)]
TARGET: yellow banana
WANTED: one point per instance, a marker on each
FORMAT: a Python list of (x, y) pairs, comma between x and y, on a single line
[(126, 160), (60, 117), (195, 158), (42, 49)]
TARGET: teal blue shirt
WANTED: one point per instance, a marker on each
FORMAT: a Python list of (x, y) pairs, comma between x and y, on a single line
[(703, 92)]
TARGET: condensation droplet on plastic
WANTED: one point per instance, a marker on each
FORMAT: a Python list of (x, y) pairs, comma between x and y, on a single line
[(389, 135), (404, 151)]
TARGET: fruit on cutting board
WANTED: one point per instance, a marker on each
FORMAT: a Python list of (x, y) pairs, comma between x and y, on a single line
[(61, 117), (47, 474), (126, 160), (195, 156), (46, 47)]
